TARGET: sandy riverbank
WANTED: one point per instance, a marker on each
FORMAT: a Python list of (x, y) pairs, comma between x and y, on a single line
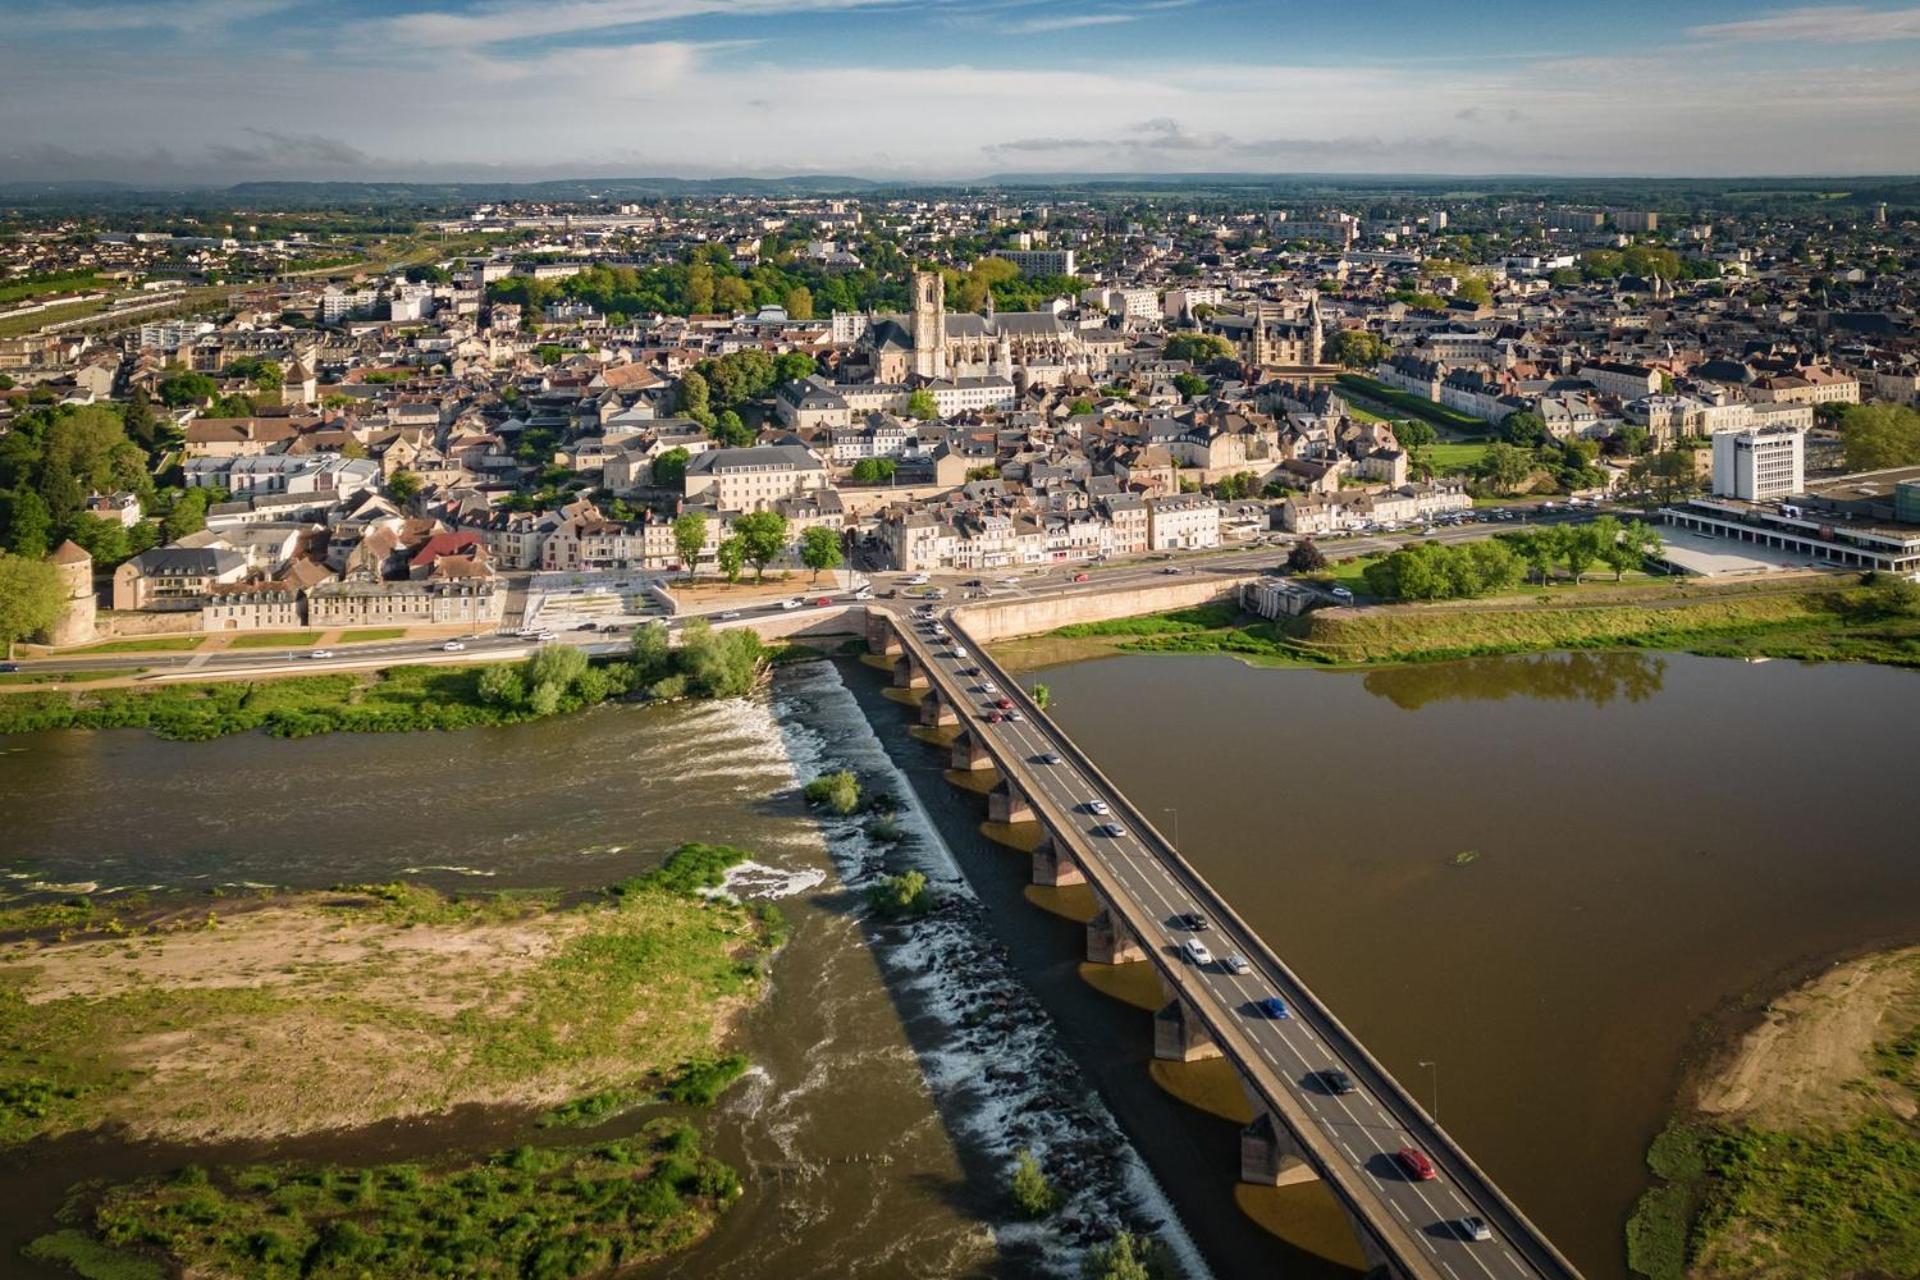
[(300, 1013)]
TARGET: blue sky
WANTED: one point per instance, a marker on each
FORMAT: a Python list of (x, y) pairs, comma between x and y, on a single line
[(225, 90)]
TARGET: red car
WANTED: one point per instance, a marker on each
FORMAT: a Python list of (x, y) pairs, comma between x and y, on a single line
[(1414, 1163), (1005, 704), (1080, 577), (824, 601), (994, 717)]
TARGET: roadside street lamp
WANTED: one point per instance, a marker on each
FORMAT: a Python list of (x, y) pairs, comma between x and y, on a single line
[(1433, 1069)]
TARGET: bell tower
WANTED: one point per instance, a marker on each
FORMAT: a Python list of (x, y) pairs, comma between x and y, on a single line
[(929, 323)]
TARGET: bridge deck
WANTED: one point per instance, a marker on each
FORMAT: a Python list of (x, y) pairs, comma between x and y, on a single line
[(1348, 1139)]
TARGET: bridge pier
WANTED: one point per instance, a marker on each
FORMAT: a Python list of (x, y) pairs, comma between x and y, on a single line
[(1053, 867), (1180, 1036), (882, 637), (968, 753), (1109, 941), (936, 712), (1007, 803), (908, 674), (1269, 1157)]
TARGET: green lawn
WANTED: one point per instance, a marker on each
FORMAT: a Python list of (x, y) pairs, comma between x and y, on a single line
[(375, 633), (1452, 458), (144, 644), (275, 639)]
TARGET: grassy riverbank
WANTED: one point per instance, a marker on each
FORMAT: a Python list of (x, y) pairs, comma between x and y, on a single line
[(1799, 1155), (206, 1020), (539, 1212), (556, 680), (1830, 620)]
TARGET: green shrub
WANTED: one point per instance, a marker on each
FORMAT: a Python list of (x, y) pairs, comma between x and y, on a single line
[(1033, 1196), (838, 791)]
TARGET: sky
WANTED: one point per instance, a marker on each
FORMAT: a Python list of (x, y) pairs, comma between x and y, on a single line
[(178, 92)]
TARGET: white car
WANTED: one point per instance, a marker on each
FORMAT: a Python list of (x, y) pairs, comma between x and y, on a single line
[(546, 635), (729, 615), (863, 594), (1113, 830), (989, 686), (919, 580), (789, 604), (959, 653), (1098, 806), (453, 646), (1009, 582), (321, 653), (1196, 952), (1237, 964)]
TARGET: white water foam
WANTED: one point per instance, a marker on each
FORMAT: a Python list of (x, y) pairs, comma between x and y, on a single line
[(998, 1070), (758, 880)]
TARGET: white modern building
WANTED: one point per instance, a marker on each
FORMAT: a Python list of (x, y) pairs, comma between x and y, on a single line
[(1759, 466)]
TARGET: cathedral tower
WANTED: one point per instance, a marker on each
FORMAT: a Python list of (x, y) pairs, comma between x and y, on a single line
[(929, 324)]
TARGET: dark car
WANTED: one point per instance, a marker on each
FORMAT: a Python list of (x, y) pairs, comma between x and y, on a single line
[(1274, 1007), (8, 668), (1192, 920), (1334, 1080)]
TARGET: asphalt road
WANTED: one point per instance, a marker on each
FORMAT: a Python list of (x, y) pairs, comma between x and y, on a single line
[(1367, 1126)]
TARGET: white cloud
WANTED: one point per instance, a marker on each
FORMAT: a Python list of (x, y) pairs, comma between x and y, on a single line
[(503, 20), (1069, 22), (1818, 24)]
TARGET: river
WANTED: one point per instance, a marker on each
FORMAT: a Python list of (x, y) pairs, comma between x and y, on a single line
[(1554, 877), (894, 1071), (1657, 842)]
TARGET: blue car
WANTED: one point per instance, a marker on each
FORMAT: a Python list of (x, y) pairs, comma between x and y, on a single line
[(1274, 1007)]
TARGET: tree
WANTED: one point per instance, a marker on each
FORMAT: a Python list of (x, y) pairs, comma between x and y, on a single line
[(27, 522), (819, 549), (1474, 290), (31, 598), (874, 470), (1878, 436), (403, 484), (1505, 468), (549, 353), (689, 538), (670, 468), (1198, 348), (1042, 696), (1414, 434), (180, 389), (763, 537), (1129, 1257), (694, 395), (799, 303), (791, 366), (263, 372), (189, 515), (921, 405), (1526, 429), (730, 431), (1580, 548), (731, 555), (1306, 557), (1357, 349), (1033, 1195), (105, 540), (1191, 386)]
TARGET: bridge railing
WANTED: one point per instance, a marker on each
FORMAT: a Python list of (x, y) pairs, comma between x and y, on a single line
[(1542, 1253)]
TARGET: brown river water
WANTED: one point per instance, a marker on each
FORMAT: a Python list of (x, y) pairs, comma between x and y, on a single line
[(1660, 841)]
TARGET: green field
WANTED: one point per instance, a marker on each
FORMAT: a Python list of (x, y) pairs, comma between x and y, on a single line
[(1451, 458), (372, 634), (274, 640), (143, 644)]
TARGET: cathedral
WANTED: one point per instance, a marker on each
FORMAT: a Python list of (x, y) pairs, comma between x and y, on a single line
[(1032, 348)]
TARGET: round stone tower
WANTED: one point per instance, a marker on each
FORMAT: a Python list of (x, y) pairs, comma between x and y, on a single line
[(75, 625)]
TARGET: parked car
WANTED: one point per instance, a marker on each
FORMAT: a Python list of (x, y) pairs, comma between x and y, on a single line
[(1016, 716), (863, 594), (789, 604), (729, 615), (824, 601), (546, 635), (1196, 952), (1414, 1163), (1274, 1007), (1081, 577), (995, 717), (1237, 965), (919, 580), (8, 668)]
